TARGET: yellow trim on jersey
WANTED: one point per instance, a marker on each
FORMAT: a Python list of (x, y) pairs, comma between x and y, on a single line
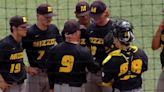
[(135, 48), (117, 53), (109, 84), (114, 53)]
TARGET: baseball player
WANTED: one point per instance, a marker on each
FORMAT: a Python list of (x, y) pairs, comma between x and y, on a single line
[(12, 68), (82, 14), (40, 37), (157, 42), (97, 32), (68, 62), (123, 68)]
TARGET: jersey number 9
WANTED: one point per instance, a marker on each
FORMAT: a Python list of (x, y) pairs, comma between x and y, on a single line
[(67, 63)]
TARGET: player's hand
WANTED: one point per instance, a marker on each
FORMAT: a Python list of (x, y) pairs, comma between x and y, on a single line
[(32, 71), (4, 86)]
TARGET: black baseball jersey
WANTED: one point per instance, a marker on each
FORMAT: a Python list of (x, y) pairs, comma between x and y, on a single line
[(162, 50), (37, 44), (68, 63), (96, 36), (12, 67), (83, 37), (124, 68)]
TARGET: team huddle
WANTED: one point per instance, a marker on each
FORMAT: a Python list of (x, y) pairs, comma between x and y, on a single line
[(91, 54)]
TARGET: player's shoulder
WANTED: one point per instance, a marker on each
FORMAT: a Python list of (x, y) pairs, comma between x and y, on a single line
[(136, 49), (32, 28), (5, 42), (57, 47), (111, 24), (139, 51), (112, 54), (53, 27), (83, 49)]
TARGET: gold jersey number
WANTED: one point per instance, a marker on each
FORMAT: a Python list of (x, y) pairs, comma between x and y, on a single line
[(93, 50), (15, 68), (136, 67), (67, 64), (41, 54)]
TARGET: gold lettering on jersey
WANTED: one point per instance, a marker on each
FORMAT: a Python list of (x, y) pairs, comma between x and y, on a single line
[(16, 56), (83, 8), (43, 43), (96, 40), (93, 9), (162, 37), (82, 41)]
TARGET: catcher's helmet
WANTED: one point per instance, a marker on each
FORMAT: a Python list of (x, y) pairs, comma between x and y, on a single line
[(124, 31)]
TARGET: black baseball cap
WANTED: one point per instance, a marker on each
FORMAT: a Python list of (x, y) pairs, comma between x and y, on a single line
[(18, 20), (82, 8), (45, 9), (71, 26), (97, 8)]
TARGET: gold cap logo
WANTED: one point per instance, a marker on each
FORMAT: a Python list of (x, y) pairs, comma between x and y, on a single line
[(83, 8), (93, 9), (50, 9), (24, 19)]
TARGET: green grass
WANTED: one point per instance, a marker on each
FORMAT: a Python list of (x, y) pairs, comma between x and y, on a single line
[(144, 14)]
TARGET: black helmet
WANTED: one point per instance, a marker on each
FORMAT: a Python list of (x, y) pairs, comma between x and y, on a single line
[(124, 31)]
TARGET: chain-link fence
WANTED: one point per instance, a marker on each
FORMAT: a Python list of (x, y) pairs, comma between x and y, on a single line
[(144, 14)]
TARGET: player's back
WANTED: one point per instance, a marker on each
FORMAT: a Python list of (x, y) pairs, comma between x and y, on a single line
[(70, 62), (126, 67)]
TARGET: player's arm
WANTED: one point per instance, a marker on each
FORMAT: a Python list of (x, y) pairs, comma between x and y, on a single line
[(92, 66), (156, 38), (108, 72), (144, 60), (3, 84), (59, 37), (50, 68)]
